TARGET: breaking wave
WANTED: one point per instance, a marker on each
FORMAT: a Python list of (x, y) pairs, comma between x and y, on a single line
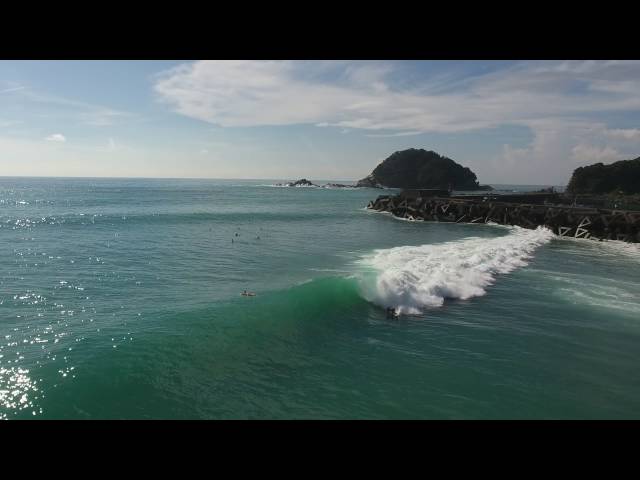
[(413, 278)]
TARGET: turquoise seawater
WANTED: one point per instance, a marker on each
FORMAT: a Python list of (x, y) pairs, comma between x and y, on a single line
[(120, 298)]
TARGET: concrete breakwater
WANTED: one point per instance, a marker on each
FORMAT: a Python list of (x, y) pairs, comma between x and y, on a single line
[(567, 221)]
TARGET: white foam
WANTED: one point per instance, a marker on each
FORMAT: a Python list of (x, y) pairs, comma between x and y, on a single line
[(602, 299), (612, 248), (412, 278)]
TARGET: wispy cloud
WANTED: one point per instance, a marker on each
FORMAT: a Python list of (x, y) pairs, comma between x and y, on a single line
[(558, 147), (10, 123), (245, 93), (13, 89), (632, 134), (56, 137), (397, 134), (593, 154), (81, 112)]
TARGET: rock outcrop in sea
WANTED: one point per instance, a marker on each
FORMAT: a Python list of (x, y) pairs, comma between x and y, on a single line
[(338, 185), (303, 182), (369, 182), (421, 169)]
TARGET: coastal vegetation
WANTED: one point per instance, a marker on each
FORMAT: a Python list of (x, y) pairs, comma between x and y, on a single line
[(421, 169), (622, 177)]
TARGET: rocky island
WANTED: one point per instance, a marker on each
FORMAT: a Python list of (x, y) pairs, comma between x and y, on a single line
[(303, 182), (421, 169), (413, 169), (338, 185)]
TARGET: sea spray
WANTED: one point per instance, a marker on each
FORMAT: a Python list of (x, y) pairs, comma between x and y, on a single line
[(412, 278)]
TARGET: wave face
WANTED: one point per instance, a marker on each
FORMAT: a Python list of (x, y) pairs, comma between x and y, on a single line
[(413, 278)]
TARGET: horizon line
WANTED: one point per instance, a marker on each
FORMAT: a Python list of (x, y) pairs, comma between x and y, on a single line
[(227, 178)]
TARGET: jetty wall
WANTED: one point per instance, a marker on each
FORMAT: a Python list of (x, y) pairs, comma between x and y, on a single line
[(566, 221)]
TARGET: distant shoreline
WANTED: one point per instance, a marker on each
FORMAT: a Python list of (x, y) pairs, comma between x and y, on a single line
[(282, 179)]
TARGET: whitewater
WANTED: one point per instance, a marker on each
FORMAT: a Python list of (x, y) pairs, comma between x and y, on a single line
[(410, 279)]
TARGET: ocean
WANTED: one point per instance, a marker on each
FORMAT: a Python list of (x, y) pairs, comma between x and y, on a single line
[(120, 299)]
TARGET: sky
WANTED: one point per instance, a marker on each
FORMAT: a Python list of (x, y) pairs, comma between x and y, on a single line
[(511, 122)]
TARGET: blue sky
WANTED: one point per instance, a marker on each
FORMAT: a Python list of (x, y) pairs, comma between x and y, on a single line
[(528, 122)]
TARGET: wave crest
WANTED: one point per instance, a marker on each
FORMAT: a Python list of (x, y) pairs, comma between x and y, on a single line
[(412, 278)]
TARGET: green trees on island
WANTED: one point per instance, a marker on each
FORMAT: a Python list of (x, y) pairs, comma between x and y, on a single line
[(418, 168), (423, 169), (618, 177)]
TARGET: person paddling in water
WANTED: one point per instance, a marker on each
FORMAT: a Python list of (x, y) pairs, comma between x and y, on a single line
[(248, 294), (391, 313)]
